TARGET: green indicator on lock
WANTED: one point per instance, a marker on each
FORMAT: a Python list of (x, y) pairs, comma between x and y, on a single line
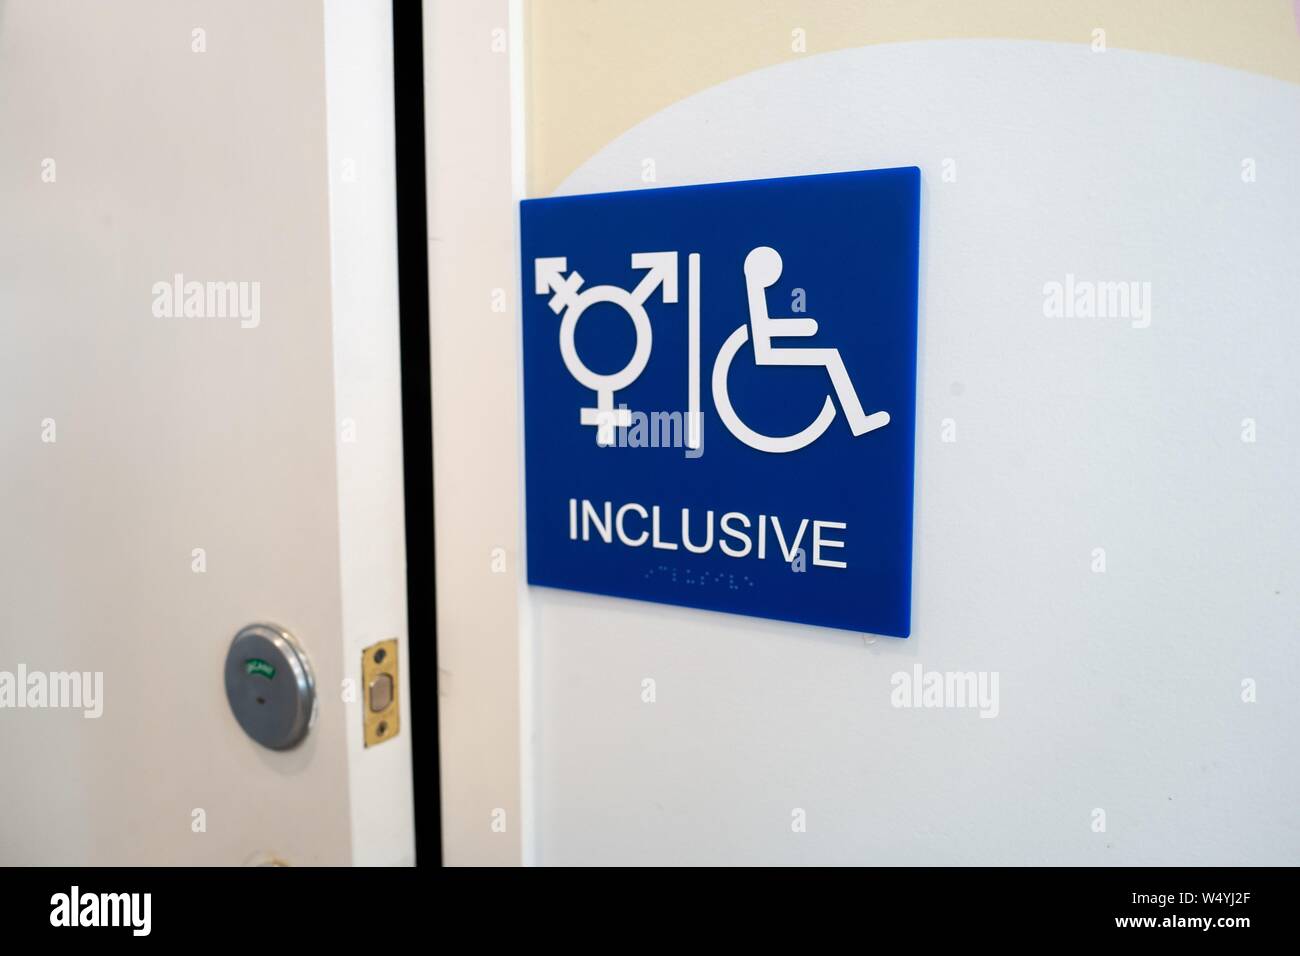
[(257, 666)]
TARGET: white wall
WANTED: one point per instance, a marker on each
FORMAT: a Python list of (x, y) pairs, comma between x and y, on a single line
[(1119, 691), (470, 75)]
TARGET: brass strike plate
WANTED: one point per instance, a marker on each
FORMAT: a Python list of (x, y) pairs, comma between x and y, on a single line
[(379, 686)]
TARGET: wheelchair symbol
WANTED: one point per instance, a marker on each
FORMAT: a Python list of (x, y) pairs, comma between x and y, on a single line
[(762, 268)]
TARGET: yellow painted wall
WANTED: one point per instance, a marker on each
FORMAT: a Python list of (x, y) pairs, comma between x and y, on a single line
[(596, 68)]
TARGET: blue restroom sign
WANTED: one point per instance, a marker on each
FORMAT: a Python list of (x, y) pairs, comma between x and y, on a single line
[(720, 395)]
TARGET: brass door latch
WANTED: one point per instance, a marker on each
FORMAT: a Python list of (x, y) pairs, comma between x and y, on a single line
[(379, 678)]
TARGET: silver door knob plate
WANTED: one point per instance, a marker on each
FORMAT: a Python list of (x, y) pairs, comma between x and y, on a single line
[(270, 686)]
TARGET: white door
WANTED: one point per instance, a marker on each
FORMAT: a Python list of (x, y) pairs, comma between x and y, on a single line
[(171, 474)]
